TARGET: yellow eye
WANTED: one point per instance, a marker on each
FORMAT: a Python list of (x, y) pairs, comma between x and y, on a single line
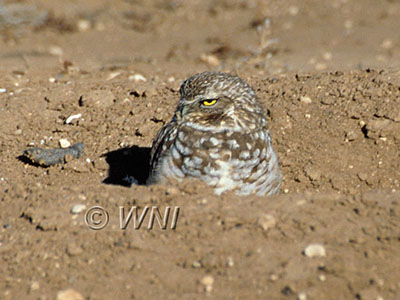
[(209, 102)]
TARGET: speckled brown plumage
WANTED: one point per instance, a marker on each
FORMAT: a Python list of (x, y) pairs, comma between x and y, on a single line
[(218, 134)]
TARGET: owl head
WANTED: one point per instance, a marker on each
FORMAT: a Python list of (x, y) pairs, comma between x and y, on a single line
[(216, 99)]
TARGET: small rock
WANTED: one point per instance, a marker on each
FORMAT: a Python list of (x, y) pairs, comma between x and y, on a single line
[(78, 208), (18, 131), (327, 56), (69, 294), (72, 117), (273, 277), (56, 50), (74, 250), (196, 264), (3, 90), (229, 262), (293, 10), (322, 277), (314, 250), (305, 99), (83, 25), (208, 282), (302, 296), (64, 143), (52, 80), (137, 78), (113, 75), (210, 59), (266, 222)]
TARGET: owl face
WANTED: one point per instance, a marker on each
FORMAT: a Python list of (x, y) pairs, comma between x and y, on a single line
[(216, 100)]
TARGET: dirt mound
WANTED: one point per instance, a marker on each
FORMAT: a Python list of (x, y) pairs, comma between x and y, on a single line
[(109, 77)]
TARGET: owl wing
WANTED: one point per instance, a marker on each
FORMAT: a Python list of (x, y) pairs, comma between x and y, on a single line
[(165, 137)]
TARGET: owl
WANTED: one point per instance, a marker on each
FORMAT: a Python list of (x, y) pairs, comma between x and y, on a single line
[(218, 134)]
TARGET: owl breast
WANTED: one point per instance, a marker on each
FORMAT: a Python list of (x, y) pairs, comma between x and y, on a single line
[(227, 160)]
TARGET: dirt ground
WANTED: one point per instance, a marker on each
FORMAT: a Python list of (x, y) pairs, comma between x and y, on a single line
[(328, 75)]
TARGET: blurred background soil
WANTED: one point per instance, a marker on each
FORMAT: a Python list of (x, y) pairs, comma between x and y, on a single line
[(326, 72)]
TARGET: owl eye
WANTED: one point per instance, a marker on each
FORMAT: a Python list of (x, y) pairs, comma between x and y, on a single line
[(209, 102)]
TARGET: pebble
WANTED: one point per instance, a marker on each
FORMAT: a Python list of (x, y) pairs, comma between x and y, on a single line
[(301, 296), (83, 25), (56, 50), (305, 99), (229, 262), (3, 90), (64, 143), (327, 56), (208, 282), (314, 250), (52, 80), (210, 59), (293, 10), (69, 294), (137, 78), (266, 222), (72, 117), (322, 277), (196, 264), (113, 75), (78, 208)]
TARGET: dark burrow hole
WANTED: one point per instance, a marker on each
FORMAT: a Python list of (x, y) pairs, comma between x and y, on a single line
[(128, 166)]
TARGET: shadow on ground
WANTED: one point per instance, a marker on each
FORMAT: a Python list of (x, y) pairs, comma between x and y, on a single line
[(128, 166)]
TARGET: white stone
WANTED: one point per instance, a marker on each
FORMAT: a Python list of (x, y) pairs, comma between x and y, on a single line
[(83, 25), (207, 280), (64, 143), (69, 294), (305, 99), (3, 90), (78, 208), (137, 78), (72, 117), (314, 250), (301, 296)]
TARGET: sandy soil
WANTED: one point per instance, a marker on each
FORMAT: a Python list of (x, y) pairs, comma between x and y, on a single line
[(327, 73)]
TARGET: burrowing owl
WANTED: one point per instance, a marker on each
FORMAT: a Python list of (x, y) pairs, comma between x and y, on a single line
[(218, 134)]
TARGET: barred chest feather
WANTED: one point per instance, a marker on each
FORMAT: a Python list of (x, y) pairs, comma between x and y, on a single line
[(242, 162)]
